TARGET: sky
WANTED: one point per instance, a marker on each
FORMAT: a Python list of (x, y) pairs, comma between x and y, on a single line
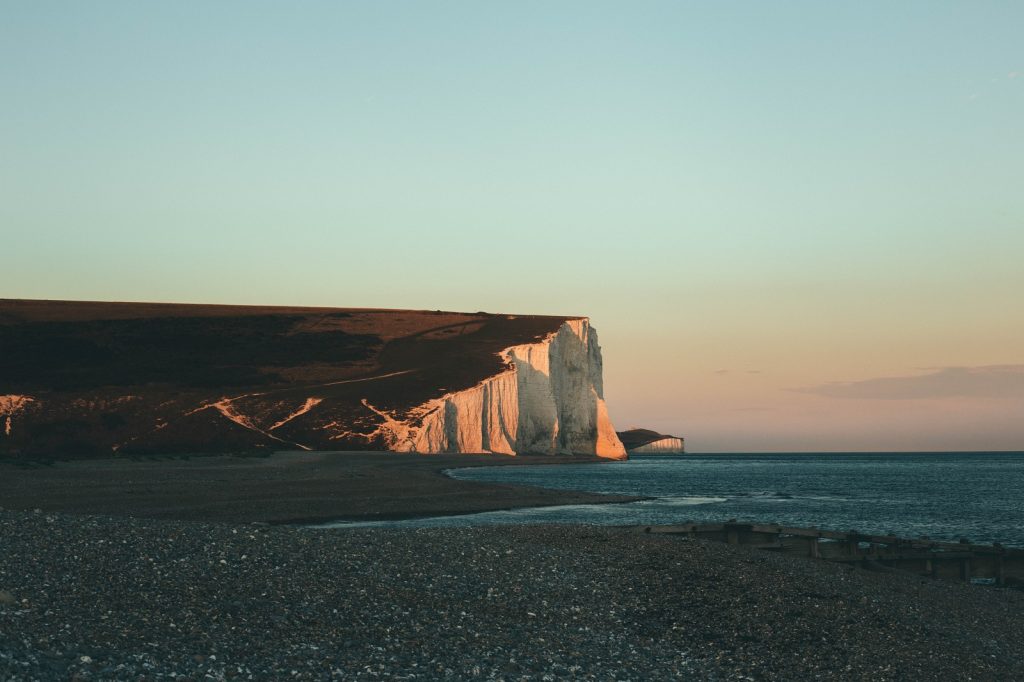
[(796, 226)]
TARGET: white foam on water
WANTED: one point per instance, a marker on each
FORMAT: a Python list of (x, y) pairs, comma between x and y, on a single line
[(688, 501)]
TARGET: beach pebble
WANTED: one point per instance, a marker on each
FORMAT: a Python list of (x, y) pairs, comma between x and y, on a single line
[(517, 602)]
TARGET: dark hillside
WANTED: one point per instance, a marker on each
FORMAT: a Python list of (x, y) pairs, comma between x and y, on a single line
[(81, 378)]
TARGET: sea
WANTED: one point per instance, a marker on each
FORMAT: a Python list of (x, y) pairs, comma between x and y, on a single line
[(944, 496)]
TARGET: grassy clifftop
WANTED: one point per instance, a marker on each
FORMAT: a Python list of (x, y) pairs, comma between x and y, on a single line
[(88, 378)]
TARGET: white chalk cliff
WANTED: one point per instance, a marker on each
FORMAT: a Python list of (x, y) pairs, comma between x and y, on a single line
[(548, 400), (666, 446), (134, 378)]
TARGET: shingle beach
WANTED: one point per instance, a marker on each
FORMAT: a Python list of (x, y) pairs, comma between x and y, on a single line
[(105, 598)]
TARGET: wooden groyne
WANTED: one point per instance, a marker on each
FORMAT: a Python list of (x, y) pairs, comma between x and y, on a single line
[(992, 564)]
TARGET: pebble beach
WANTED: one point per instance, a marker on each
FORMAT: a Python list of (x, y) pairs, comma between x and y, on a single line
[(93, 597)]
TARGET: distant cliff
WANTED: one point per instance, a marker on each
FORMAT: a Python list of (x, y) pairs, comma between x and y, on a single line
[(88, 379), (647, 442)]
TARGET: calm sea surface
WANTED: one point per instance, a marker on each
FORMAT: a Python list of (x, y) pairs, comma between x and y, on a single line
[(942, 495)]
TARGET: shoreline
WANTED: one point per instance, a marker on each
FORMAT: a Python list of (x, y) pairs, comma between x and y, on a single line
[(319, 524), (281, 488), (121, 584)]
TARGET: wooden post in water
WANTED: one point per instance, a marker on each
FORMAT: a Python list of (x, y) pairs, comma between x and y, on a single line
[(732, 534), (852, 544)]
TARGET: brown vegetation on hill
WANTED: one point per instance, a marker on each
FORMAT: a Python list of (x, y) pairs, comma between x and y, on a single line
[(86, 379)]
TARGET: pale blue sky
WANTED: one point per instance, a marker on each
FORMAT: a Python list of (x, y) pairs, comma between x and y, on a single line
[(812, 191)]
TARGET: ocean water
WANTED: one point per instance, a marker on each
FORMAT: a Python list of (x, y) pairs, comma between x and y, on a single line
[(945, 496)]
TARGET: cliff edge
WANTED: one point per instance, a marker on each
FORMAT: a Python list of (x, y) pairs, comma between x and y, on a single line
[(91, 379), (648, 442)]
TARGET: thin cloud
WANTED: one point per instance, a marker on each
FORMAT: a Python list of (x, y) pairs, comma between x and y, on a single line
[(991, 381)]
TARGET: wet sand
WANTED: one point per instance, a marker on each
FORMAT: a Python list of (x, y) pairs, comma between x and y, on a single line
[(288, 487)]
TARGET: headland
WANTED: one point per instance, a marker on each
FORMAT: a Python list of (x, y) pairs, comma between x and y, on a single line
[(94, 379)]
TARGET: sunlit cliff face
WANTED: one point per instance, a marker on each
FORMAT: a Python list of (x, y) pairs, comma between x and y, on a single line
[(549, 400), (662, 446), (10, 405)]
